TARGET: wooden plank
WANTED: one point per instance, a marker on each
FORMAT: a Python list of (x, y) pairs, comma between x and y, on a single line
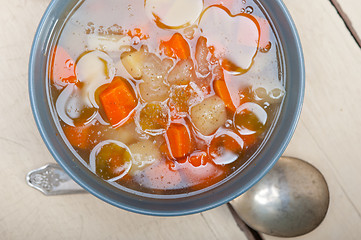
[(26, 213), (350, 12), (328, 135)]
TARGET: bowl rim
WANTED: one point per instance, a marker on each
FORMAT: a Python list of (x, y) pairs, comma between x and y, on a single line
[(175, 212)]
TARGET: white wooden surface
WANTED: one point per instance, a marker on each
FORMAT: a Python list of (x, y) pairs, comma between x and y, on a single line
[(352, 9), (328, 136)]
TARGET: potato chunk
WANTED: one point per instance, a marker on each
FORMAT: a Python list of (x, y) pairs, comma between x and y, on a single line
[(154, 86), (182, 73), (209, 115), (144, 153), (152, 70), (133, 62)]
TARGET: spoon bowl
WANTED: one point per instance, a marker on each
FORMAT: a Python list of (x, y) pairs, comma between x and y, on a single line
[(291, 200)]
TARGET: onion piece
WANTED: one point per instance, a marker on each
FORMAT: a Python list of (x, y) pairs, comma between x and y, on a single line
[(94, 69), (97, 149)]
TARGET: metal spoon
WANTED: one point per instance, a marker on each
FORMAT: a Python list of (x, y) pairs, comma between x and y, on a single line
[(51, 179), (291, 200)]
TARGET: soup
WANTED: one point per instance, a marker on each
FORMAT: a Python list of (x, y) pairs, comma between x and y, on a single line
[(159, 100)]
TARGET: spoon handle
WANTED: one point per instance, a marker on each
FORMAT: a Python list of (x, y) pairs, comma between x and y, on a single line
[(51, 179)]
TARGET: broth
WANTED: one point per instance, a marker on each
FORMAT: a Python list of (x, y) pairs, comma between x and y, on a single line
[(161, 102)]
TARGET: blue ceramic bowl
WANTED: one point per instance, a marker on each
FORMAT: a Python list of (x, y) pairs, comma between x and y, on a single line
[(175, 204)]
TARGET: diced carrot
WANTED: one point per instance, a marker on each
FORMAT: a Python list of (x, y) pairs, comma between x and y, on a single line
[(78, 136), (118, 101), (176, 46), (221, 89), (178, 140), (62, 69), (198, 158)]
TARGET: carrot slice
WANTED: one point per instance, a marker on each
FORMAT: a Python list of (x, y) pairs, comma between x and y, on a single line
[(178, 140), (176, 46), (62, 67), (118, 101), (78, 136), (221, 89)]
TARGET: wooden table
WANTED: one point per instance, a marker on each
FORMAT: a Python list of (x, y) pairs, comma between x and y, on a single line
[(328, 136)]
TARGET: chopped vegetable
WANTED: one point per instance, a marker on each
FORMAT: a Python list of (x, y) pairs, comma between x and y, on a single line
[(173, 13), (62, 67), (229, 140), (226, 148), (201, 55), (209, 115), (250, 118), (182, 73), (93, 70), (153, 118), (118, 101), (154, 86), (78, 136), (177, 46), (133, 62), (94, 67), (182, 97), (111, 160), (198, 158), (221, 89), (179, 140)]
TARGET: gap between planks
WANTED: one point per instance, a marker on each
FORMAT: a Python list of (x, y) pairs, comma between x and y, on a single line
[(346, 21)]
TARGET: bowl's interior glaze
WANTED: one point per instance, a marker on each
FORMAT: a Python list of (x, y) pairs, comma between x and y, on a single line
[(172, 204)]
